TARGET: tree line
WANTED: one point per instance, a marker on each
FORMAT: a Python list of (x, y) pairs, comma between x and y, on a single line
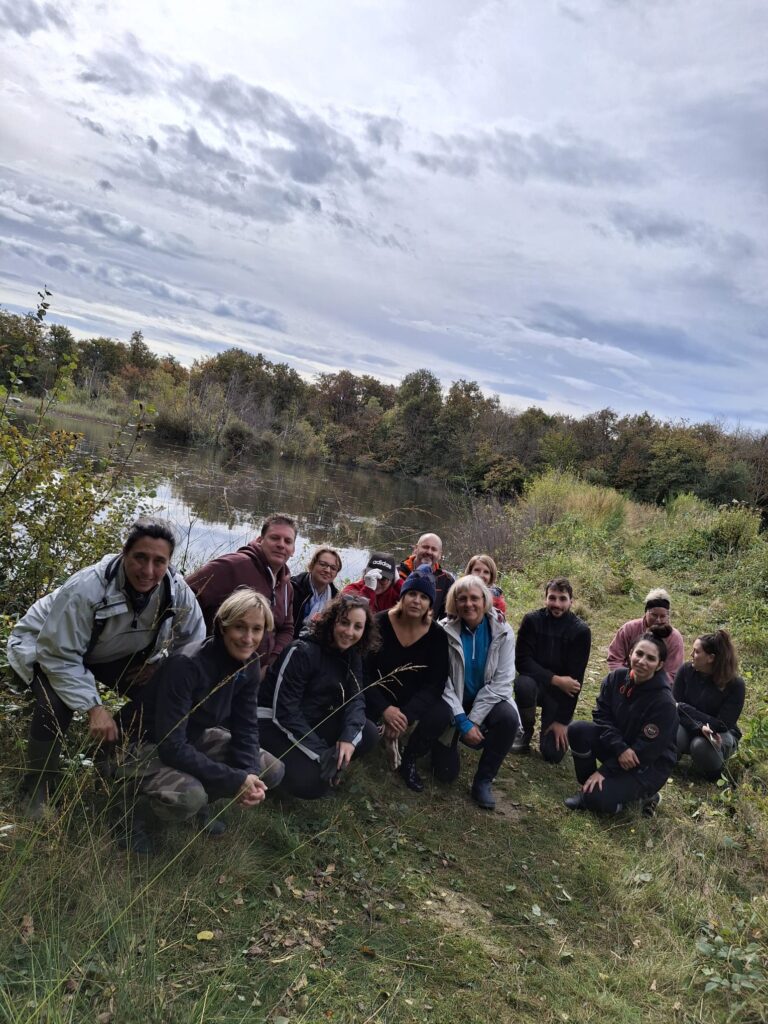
[(247, 404)]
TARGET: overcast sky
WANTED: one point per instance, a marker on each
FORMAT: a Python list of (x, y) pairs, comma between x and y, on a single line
[(565, 201)]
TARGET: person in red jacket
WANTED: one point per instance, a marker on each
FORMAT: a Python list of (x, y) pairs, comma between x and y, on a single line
[(260, 564), (379, 584)]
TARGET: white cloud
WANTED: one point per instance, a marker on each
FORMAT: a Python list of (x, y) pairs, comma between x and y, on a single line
[(536, 196)]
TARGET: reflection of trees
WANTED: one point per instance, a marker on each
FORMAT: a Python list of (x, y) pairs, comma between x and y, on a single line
[(350, 508)]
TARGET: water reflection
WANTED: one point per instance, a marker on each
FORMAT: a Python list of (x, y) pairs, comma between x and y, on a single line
[(216, 506)]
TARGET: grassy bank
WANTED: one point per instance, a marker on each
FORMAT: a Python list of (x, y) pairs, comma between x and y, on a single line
[(381, 905)]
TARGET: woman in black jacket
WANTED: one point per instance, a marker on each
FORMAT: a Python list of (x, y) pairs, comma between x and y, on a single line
[(632, 734), (408, 673), (312, 706), (710, 697)]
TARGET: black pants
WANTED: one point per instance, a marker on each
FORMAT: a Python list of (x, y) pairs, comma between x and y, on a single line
[(528, 694), (499, 730), (588, 748), (51, 717), (302, 773)]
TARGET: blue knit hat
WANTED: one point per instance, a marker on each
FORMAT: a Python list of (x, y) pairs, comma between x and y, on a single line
[(421, 581)]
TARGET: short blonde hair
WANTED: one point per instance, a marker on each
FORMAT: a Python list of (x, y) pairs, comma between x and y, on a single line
[(461, 585), (241, 601), (487, 561)]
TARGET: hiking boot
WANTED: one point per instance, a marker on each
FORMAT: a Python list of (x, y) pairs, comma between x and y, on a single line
[(575, 803), (522, 742), (212, 826), (482, 794), (410, 776), (132, 825), (650, 806)]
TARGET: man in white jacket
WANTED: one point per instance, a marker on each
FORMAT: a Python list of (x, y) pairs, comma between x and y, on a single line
[(109, 623)]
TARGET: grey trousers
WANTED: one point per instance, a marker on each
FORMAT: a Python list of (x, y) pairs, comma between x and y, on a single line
[(706, 758)]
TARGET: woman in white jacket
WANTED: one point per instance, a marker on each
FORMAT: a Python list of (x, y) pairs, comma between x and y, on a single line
[(478, 697)]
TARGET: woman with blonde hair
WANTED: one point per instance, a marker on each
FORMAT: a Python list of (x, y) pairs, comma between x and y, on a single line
[(196, 729), (710, 697)]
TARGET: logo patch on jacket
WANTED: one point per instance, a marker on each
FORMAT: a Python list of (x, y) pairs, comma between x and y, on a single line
[(650, 731)]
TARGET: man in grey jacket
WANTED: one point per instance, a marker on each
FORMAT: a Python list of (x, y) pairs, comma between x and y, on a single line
[(110, 623)]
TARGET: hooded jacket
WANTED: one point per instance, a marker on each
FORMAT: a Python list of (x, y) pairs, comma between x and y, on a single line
[(550, 645), (89, 621), (378, 602), (302, 594), (248, 567), (642, 716), (499, 670), (443, 582), (308, 683)]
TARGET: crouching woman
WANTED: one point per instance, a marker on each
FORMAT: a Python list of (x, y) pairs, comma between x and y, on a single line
[(710, 697), (632, 735), (197, 725), (312, 706), (477, 700)]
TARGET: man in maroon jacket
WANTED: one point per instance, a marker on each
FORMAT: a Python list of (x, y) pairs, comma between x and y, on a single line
[(260, 564)]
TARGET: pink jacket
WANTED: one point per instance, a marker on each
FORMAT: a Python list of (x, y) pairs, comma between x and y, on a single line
[(622, 643)]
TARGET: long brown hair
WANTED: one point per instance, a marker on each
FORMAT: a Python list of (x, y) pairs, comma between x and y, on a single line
[(725, 667)]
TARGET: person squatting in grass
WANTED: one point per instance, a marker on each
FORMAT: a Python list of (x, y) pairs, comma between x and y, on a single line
[(477, 700), (108, 625), (656, 619), (485, 567), (195, 730), (632, 735), (710, 697), (312, 705), (553, 646), (406, 676)]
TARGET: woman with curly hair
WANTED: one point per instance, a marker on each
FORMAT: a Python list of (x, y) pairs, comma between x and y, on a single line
[(312, 705)]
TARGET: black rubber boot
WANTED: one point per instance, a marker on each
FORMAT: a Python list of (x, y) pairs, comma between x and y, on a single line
[(410, 776), (41, 778)]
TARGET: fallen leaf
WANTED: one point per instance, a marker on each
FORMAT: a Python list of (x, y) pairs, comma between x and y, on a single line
[(276, 890), (536, 910), (204, 936), (367, 951), (105, 1017), (653, 985), (26, 928)]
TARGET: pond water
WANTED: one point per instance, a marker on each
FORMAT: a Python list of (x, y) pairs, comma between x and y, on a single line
[(216, 505)]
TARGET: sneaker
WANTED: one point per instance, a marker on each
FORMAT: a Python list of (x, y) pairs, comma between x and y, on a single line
[(135, 838), (651, 805)]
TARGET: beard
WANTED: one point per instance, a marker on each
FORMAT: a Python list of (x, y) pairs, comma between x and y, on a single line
[(662, 632)]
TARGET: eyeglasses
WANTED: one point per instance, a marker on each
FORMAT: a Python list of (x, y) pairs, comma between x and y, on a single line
[(326, 565)]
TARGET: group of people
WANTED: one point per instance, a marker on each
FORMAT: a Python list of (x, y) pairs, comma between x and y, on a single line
[(242, 678)]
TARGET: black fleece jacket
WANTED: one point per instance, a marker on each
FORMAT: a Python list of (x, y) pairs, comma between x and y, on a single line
[(308, 683), (642, 716), (548, 646), (700, 702), (192, 693)]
